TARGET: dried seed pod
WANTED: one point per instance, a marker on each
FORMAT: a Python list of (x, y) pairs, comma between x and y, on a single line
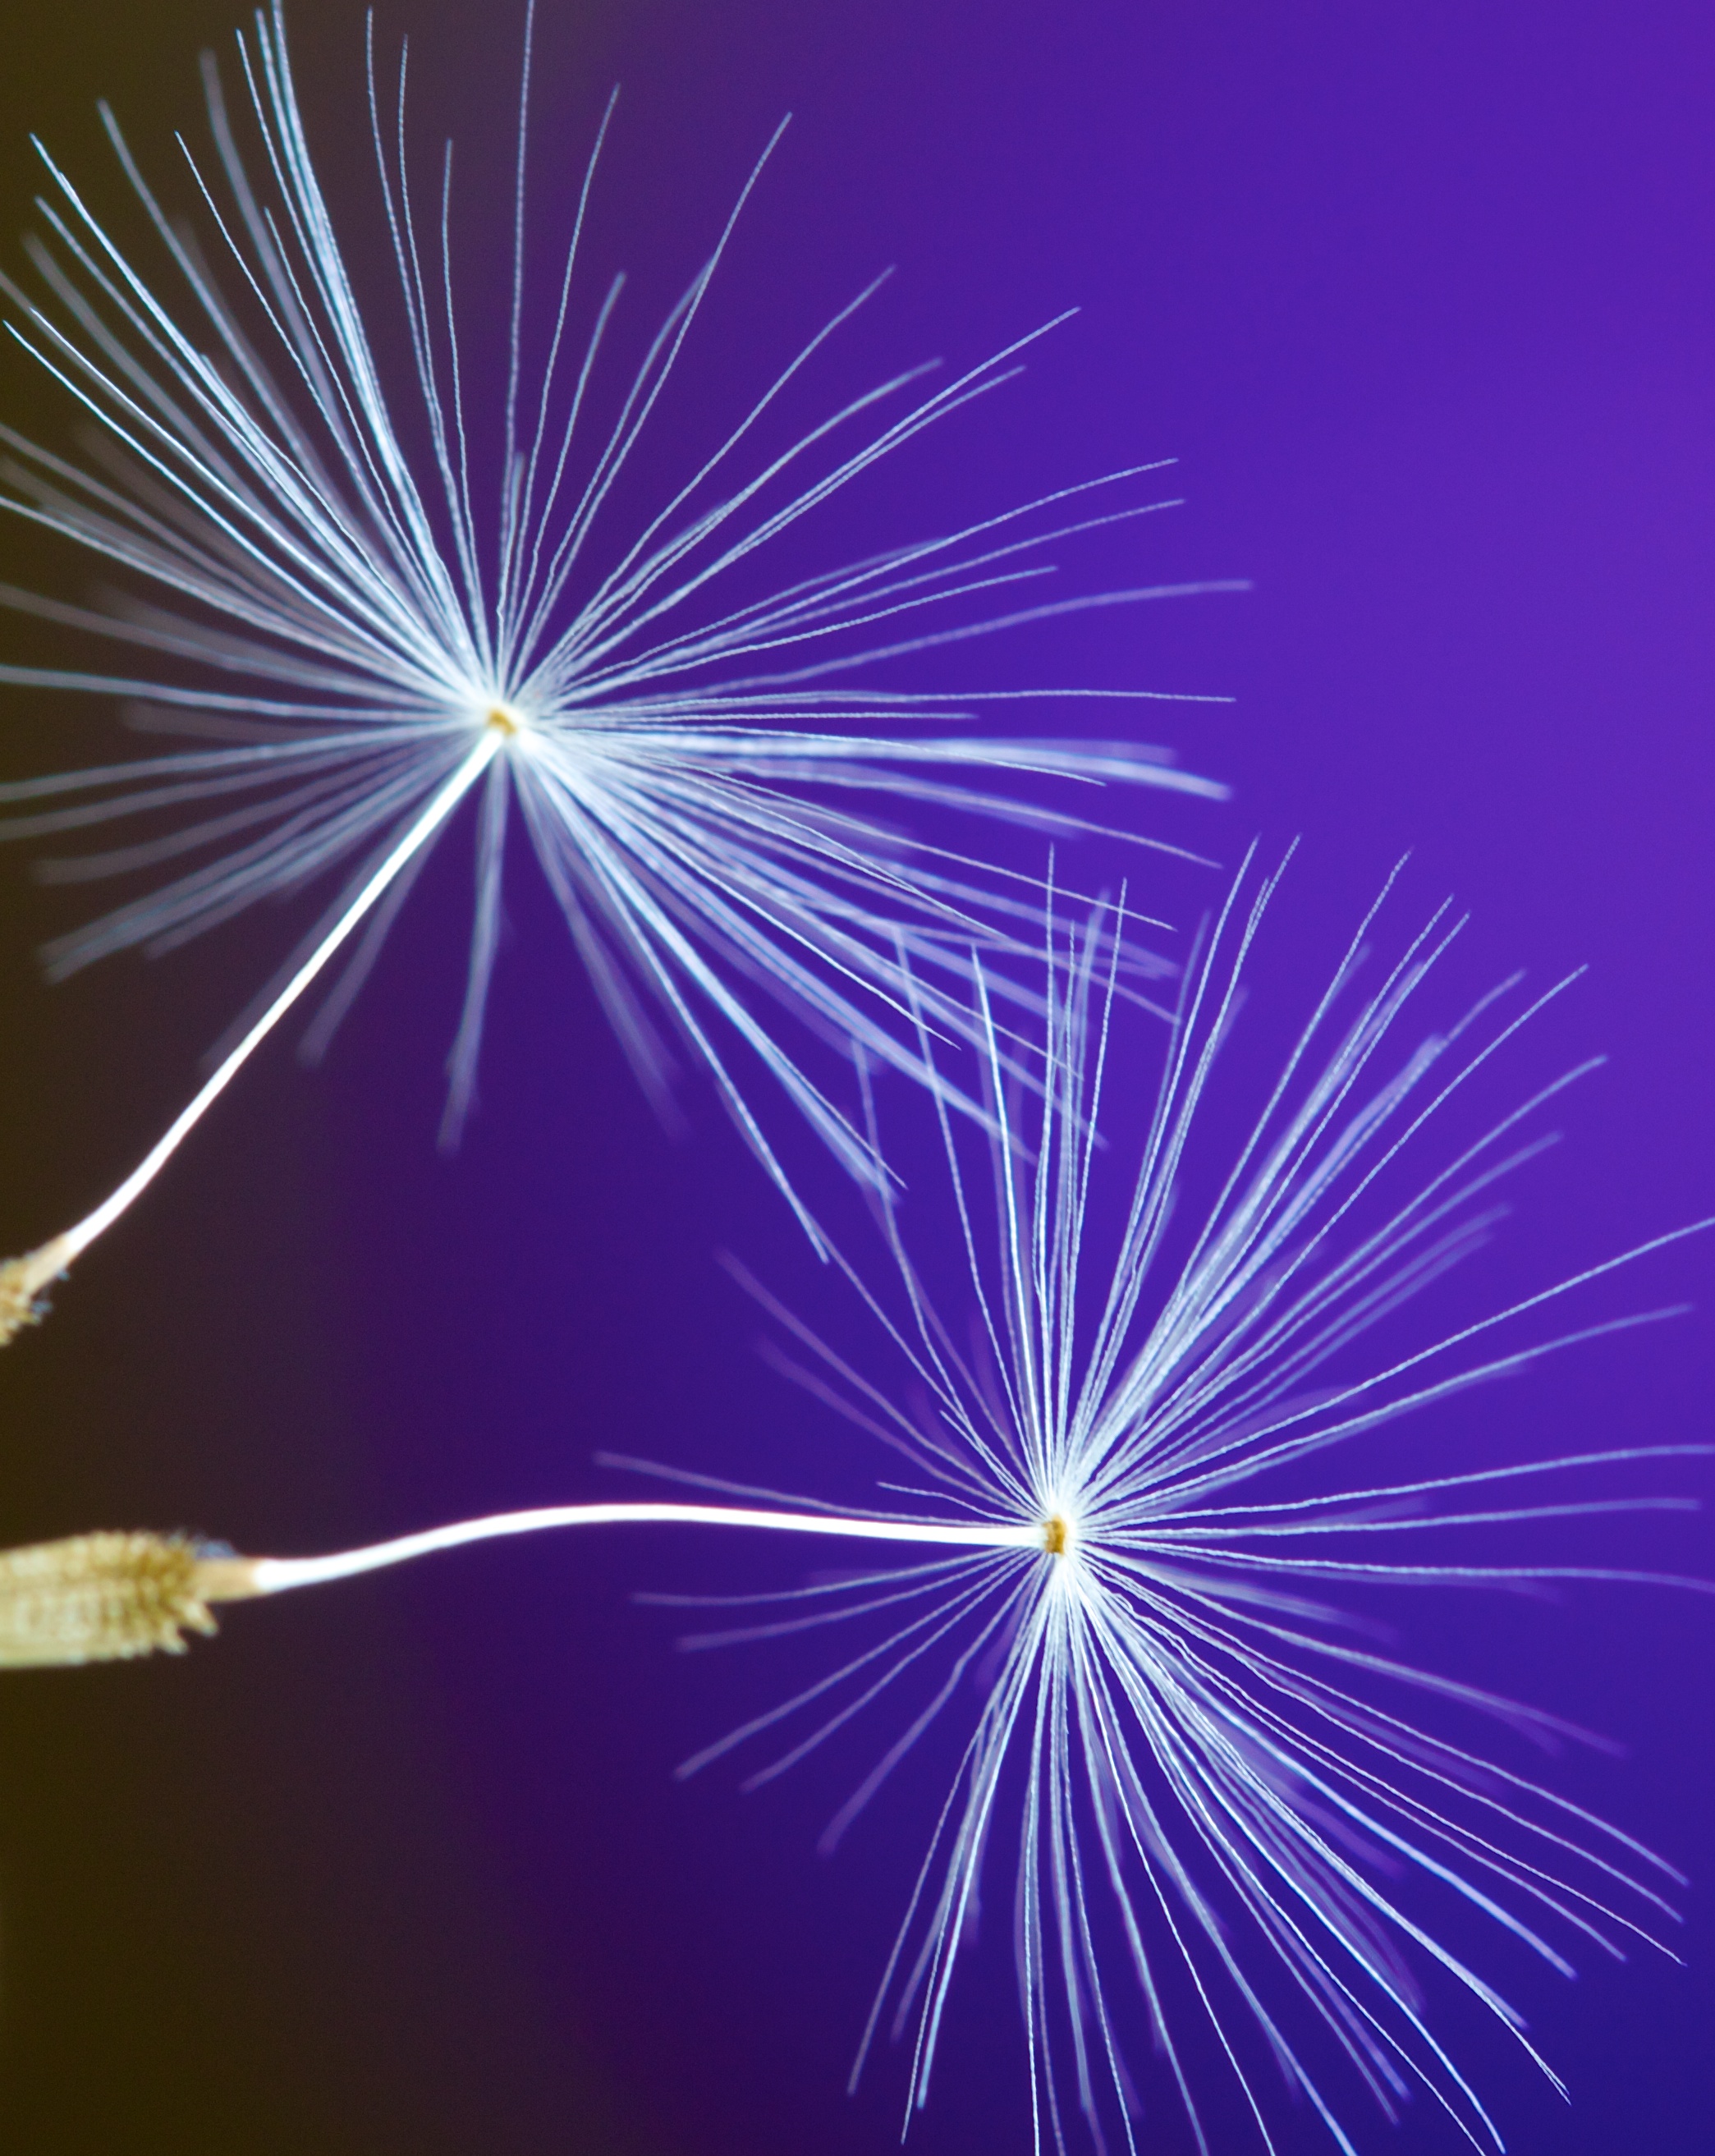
[(108, 1596), (18, 1305), (22, 1280)]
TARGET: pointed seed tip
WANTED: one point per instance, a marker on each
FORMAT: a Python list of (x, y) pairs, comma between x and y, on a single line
[(22, 1280), (19, 1305)]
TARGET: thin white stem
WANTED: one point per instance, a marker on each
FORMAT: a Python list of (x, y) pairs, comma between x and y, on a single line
[(275, 1575), (75, 1240)]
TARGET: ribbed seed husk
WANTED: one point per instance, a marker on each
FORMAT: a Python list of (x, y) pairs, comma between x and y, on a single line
[(19, 1304), (99, 1597)]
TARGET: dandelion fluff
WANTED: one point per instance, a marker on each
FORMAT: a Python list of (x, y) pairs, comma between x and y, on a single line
[(1237, 1827), (363, 612)]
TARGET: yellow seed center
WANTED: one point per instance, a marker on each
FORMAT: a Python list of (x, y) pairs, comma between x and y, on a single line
[(502, 721), (1056, 1535)]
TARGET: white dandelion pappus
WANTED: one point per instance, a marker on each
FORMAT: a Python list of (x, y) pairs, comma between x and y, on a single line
[(368, 635), (1225, 1788), (1219, 1784)]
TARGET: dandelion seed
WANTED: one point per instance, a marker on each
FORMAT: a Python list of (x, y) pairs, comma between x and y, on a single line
[(114, 1596), (1225, 1795), (105, 1598), (368, 637)]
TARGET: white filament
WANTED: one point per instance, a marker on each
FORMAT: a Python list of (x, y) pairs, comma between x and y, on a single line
[(275, 1575), (417, 836)]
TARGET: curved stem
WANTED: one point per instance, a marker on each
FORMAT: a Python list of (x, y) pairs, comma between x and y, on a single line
[(110, 1597), (23, 1279), (275, 1575)]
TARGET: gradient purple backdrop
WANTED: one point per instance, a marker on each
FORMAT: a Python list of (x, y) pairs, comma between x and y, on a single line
[(1422, 302)]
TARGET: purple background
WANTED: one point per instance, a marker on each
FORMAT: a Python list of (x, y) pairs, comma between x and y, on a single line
[(1421, 300)]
